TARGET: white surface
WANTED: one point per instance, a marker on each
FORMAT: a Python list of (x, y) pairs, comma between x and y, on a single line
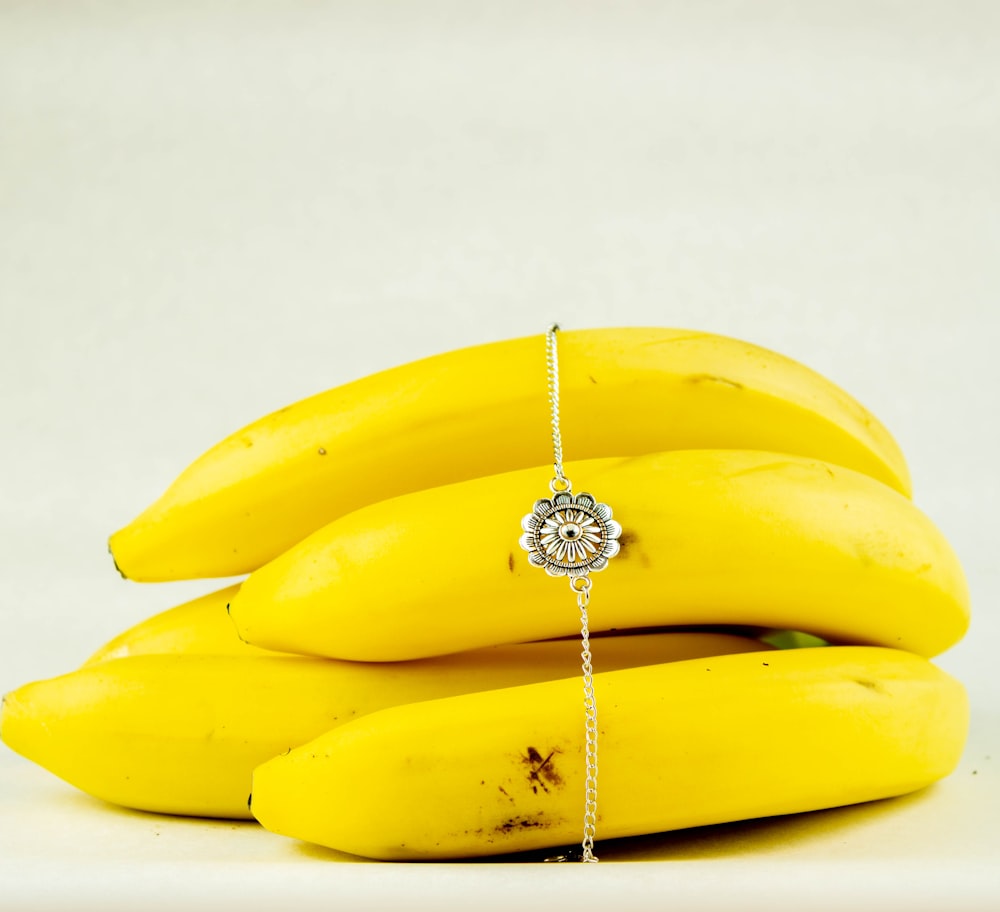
[(211, 210)]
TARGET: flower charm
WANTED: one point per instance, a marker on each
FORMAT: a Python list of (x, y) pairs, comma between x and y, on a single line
[(570, 535)]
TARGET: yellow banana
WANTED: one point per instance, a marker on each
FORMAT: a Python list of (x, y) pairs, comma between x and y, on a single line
[(476, 412), (710, 537), (199, 627), (682, 745), (181, 734)]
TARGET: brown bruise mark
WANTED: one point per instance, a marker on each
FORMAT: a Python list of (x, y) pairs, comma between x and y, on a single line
[(625, 542), (321, 451), (522, 823), (591, 378), (715, 378), (542, 771), (510, 561), (873, 686), (809, 471)]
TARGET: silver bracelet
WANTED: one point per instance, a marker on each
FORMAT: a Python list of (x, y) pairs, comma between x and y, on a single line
[(573, 535)]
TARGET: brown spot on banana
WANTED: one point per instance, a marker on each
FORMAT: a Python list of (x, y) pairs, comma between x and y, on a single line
[(714, 378)]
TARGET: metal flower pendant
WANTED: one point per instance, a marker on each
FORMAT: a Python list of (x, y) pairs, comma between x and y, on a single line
[(570, 535)]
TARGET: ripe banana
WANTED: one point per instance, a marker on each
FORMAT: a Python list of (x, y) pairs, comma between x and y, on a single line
[(198, 627), (477, 412), (710, 537), (682, 745), (181, 734)]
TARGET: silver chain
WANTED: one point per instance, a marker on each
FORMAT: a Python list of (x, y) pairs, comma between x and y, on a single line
[(581, 587), (560, 482), (590, 708)]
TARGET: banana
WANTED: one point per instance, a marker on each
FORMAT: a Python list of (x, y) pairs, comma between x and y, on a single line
[(198, 627), (479, 411), (710, 537), (181, 734), (687, 744)]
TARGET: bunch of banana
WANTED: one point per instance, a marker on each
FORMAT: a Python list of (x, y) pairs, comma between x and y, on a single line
[(390, 679), (182, 732), (477, 412)]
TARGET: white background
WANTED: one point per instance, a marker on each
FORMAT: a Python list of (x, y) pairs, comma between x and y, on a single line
[(210, 210)]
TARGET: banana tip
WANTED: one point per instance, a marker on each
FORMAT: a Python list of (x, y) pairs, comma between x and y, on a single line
[(236, 626), (114, 560), (9, 709)]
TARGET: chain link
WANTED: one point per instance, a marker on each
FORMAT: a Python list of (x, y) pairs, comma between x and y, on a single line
[(560, 482), (590, 708)]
